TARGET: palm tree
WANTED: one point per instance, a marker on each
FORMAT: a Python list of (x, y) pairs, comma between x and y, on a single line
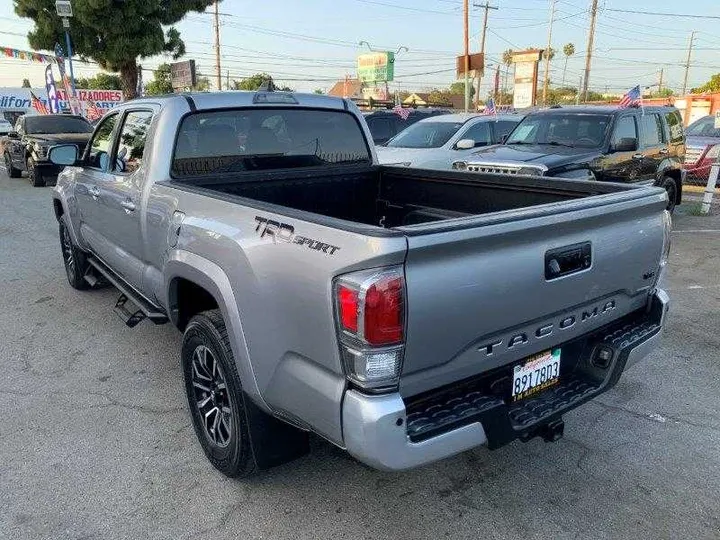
[(568, 51), (507, 58)]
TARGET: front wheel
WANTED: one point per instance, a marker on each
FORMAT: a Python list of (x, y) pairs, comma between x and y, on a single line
[(74, 259), (214, 395), (35, 176), (11, 171), (670, 186)]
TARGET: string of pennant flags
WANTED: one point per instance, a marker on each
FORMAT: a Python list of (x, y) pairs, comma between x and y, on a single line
[(31, 56)]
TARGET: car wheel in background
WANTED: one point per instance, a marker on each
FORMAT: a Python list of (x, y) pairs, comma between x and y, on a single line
[(215, 397), (11, 171), (74, 259), (35, 176), (669, 185)]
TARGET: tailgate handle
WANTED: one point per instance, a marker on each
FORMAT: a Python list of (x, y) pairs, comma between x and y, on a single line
[(567, 260)]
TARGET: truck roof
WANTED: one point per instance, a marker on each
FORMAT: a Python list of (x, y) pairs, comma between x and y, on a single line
[(241, 98), (596, 109)]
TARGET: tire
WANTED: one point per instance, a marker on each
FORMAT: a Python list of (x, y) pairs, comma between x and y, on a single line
[(35, 176), (669, 185), (11, 171), (74, 259), (215, 397)]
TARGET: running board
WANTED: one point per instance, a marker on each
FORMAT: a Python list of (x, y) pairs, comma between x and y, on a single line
[(127, 295)]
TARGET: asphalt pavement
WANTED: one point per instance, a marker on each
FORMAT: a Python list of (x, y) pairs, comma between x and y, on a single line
[(96, 440)]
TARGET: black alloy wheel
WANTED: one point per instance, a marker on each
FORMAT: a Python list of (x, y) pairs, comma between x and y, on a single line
[(212, 398), (74, 259), (671, 187), (34, 175)]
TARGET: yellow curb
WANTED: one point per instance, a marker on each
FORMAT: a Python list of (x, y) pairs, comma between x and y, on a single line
[(698, 189)]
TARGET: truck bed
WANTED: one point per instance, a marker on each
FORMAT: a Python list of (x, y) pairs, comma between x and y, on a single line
[(393, 197)]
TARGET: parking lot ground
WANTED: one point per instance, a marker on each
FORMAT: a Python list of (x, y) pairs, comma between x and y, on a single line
[(96, 441)]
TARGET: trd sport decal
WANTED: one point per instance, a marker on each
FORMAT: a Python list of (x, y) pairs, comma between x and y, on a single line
[(282, 232)]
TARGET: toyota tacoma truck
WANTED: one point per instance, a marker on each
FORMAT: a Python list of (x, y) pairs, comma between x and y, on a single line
[(404, 315)]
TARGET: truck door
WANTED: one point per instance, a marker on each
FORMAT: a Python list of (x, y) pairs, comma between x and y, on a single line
[(624, 161), (120, 196), (96, 164), (653, 146)]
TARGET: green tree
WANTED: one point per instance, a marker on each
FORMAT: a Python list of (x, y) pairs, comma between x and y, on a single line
[(459, 88), (713, 85), (26, 83), (101, 81), (161, 83), (549, 52), (202, 84), (252, 83), (507, 57), (665, 92), (113, 33), (318, 91), (568, 51)]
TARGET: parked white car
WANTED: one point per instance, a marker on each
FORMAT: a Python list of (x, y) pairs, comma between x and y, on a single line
[(438, 141)]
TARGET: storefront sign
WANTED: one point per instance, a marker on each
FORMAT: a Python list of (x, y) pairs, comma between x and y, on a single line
[(376, 67), (19, 98)]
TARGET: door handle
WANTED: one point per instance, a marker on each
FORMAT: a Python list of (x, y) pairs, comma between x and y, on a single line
[(94, 192), (638, 156), (128, 205)]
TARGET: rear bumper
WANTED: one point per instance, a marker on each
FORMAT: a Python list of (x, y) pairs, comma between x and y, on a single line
[(388, 433)]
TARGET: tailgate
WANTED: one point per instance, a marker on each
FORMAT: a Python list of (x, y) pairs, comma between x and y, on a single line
[(483, 292)]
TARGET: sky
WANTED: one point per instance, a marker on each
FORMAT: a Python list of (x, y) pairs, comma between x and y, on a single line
[(310, 44)]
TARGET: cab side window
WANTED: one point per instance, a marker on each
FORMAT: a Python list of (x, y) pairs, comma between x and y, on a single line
[(131, 144), (626, 128), (101, 144), (480, 133), (652, 133), (675, 125)]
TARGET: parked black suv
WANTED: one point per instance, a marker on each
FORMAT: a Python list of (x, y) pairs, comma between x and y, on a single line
[(385, 124), (638, 145)]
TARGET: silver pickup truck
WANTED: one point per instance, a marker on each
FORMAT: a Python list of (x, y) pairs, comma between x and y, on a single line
[(404, 315)]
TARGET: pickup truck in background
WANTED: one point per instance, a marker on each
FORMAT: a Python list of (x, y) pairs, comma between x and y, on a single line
[(26, 147), (405, 315), (606, 143)]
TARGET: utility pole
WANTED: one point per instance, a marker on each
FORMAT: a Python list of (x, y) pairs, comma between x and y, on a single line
[(466, 58), (547, 54), (487, 7), (588, 55), (218, 74), (660, 82), (687, 63), (227, 79)]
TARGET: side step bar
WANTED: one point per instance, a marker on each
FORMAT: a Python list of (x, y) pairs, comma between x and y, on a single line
[(128, 295)]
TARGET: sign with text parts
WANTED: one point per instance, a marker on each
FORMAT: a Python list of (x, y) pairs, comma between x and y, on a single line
[(376, 67), (53, 101), (182, 75), (526, 77)]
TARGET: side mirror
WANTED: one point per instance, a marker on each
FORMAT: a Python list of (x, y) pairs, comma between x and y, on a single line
[(465, 144), (626, 144), (13, 135), (64, 154)]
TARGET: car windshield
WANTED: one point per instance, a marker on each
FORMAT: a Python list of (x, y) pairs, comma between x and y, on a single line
[(239, 140), (44, 125), (705, 127), (562, 129), (425, 135)]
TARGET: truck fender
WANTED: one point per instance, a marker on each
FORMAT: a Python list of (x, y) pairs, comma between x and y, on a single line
[(62, 208), (672, 168), (208, 275)]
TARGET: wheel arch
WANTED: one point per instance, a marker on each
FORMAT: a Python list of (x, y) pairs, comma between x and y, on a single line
[(677, 175), (190, 278)]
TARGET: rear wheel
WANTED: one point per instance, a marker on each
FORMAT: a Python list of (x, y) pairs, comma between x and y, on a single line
[(35, 176), (11, 171), (670, 186), (74, 259), (214, 395)]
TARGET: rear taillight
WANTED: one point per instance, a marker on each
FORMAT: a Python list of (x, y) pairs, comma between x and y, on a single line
[(370, 313)]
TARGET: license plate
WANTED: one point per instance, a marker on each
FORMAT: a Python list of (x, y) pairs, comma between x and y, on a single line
[(536, 374)]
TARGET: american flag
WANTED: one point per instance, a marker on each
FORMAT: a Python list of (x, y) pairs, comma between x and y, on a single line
[(490, 107), (401, 111), (92, 111), (631, 97), (38, 105)]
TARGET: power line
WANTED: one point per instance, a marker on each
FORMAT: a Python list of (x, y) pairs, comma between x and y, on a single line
[(664, 14)]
